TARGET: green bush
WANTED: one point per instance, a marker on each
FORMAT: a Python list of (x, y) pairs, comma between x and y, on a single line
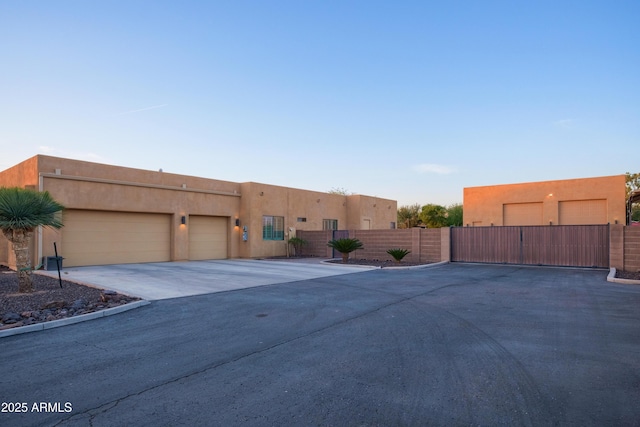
[(398, 254), (297, 244), (345, 246)]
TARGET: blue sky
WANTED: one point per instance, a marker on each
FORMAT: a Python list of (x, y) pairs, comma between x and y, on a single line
[(408, 100)]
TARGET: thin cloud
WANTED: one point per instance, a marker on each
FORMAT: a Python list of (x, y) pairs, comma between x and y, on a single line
[(142, 109), (46, 149), (433, 168), (564, 123), (89, 157)]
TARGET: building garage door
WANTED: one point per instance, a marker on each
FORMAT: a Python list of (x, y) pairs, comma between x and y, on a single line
[(99, 237), (207, 237), (522, 214), (583, 212)]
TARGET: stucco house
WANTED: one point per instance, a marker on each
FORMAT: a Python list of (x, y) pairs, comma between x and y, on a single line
[(599, 200), (122, 215)]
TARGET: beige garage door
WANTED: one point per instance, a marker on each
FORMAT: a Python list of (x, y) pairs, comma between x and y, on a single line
[(99, 237), (582, 212), (207, 237), (522, 214)]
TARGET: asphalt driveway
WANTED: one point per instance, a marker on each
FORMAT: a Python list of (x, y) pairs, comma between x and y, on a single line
[(453, 345)]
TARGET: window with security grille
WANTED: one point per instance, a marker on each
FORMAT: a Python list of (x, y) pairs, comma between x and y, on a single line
[(329, 224), (272, 227)]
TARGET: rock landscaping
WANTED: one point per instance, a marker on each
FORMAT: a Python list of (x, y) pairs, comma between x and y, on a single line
[(50, 302), (628, 275)]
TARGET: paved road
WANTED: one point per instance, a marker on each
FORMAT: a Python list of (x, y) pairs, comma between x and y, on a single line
[(455, 345)]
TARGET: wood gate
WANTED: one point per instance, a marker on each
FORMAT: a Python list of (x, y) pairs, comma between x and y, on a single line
[(561, 245)]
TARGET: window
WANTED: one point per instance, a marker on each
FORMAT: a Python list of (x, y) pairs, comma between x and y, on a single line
[(392, 225), (329, 224), (302, 219), (272, 228)]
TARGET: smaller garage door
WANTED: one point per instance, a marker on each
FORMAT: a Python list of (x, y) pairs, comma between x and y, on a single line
[(99, 237), (522, 214), (207, 237), (583, 212)]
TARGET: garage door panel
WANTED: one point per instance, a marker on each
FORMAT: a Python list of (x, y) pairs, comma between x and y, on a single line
[(522, 214), (100, 237), (208, 237), (583, 212)]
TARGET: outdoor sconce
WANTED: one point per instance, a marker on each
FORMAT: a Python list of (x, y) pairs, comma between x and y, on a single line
[(550, 223), (183, 220), (237, 222)]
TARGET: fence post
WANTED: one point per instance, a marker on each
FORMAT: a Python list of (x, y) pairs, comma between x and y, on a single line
[(616, 246), (445, 244), (416, 243)]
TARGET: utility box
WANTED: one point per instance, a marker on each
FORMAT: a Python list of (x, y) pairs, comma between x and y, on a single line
[(51, 262)]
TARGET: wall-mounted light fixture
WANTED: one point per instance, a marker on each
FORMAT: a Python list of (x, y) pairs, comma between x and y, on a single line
[(237, 222), (550, 222), (183, 220)]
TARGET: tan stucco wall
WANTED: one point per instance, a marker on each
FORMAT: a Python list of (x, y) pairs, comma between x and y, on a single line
[(93, 186), (291, 203), (377, 212), (484, 205)]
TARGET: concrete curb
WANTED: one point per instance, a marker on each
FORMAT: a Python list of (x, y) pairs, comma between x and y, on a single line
[(364, 267), (416, 267), (71, 320), (611, 277), (373, 267)]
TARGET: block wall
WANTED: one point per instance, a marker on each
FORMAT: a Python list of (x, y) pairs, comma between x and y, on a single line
[(425, 244), (632, 249)]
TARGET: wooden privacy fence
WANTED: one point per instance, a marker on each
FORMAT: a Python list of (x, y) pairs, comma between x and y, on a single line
[(561, 245)]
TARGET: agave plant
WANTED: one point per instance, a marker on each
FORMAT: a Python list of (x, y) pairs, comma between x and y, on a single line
[(398, 254), (21, 212), (345, 246)]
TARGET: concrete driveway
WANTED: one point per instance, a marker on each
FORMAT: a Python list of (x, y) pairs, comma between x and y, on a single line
[(156, 281), (453, 345)]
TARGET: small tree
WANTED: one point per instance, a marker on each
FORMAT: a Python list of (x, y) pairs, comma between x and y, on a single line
[(398, 254), (21, 212), (297, 244), (454, 215), (434, 216), (633, 184), (339, 190), (345, 247), (409, 216)]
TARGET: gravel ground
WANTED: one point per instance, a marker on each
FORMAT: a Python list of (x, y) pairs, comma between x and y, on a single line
[(50, 302), (628, 275)]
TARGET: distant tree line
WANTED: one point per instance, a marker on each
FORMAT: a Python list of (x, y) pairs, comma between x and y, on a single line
[(430, 216)]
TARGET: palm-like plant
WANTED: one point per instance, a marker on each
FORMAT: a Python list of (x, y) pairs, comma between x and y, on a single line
[(297, 244), (21, 212), (345, 247), (398, 254)]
